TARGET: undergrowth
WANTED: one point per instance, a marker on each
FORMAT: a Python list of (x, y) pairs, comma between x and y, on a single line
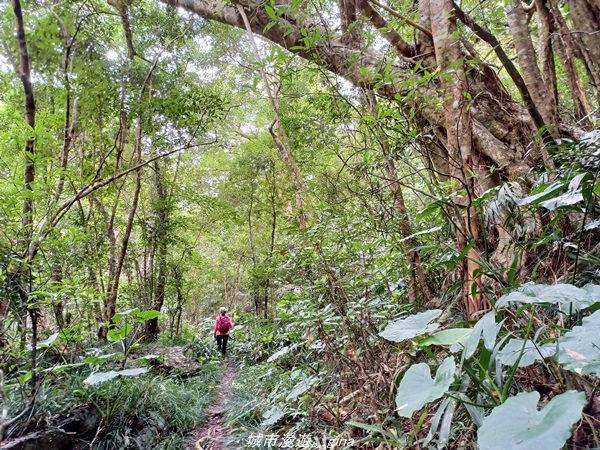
[(156, 412), (445, 389), (151, 410)]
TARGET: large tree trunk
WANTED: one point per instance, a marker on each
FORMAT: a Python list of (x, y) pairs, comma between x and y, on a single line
[(465, 163), (22, 278), (547, 68), (585, 15), (542, 94)]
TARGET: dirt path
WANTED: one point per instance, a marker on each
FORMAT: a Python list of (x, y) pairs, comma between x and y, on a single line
[(212, 433)]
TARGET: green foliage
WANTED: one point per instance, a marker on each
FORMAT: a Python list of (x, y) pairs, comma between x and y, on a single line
[(417, 388), (517, 422), (217, 223), (277, 389), (251, 401), (155, 412), (203, 348), (412, 326), (120, 335), (578, 349), (491, 369)]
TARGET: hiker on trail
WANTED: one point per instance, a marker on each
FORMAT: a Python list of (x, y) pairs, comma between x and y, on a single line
[(223, 325)]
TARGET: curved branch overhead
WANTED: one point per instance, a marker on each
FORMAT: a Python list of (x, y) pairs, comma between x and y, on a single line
[(505, 131), (454, 95), (337, 56)]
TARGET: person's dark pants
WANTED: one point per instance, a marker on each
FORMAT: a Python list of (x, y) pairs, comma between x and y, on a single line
[(222, 343)]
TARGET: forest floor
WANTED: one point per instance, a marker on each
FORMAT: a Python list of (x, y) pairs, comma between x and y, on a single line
[(211, 434)]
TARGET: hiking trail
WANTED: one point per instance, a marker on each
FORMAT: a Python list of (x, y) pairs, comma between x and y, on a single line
[(211, 434)]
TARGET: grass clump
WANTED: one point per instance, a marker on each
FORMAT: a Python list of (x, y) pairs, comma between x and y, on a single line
[(153, 411)]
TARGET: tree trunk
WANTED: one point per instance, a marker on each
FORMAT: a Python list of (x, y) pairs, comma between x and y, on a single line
[(273, 231), (565, 53), (71, 108), (547, 67), (110, 305), (113, 258), (256, 282), (57, 304), (177, 278), (585, 15), (417, 279), (542, 96), (162, 223), (22, 278), (465, 164)]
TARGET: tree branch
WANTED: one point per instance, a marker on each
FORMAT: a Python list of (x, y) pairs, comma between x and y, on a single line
[(400, 46), (402, 17), (511, 69), (121, 6), (50, 223)]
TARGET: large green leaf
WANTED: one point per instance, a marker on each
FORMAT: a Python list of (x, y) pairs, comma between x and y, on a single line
[(100, 377), (569, 298), (517, 423), (486, 327), (417, 388), (118, 334), (118, 316), (272, 416), (148, 315), (45, 342), (448, 337), (411, 326), (531, 353), (301, 388), (579, 349), (137, 314)]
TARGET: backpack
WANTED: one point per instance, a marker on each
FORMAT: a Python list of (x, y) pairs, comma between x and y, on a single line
[(224, 324)]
